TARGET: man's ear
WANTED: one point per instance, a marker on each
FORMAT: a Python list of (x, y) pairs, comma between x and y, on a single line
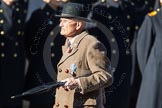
[(79, 25)]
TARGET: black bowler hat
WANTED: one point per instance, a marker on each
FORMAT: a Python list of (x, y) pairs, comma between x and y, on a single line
[(74, 10)]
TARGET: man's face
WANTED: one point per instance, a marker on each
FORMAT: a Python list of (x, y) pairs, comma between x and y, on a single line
[(68, 27), (161, 2), (116, 0), (55, 1), (9, 2)]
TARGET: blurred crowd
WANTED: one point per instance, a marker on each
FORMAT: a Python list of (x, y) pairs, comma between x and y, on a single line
[(30, 48)]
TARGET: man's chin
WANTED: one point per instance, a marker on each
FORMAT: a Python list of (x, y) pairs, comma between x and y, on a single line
[(62, 33)]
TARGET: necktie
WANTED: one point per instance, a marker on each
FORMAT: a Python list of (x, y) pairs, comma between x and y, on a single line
[(69, 47)]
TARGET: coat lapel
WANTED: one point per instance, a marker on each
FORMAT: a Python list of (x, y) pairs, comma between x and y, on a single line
[(74, 46)]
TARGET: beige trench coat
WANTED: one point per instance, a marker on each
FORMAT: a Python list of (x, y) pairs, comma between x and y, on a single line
[(92, 67)]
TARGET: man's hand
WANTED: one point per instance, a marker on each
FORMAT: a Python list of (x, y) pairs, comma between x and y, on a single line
[(71, 83)]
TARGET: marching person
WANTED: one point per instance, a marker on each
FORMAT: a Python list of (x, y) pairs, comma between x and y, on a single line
[(149, 56), (39, 27), (12, 56), (84, 66)]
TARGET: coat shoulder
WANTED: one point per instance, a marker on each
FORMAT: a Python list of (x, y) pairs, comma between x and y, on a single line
[(154, 13), (90, 39)]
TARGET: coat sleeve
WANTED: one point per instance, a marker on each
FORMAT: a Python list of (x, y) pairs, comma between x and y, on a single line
[(99, 66), (145, 40)]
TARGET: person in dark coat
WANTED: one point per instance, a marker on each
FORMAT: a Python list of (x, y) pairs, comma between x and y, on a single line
[(39, 29), (149, 54), (117, 18), (120, 17), (141, 9), (12, 56)]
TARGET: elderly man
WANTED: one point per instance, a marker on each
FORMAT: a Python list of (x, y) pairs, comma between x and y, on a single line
[(84, 67)]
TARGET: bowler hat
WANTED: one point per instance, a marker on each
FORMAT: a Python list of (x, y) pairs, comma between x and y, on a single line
[(74, 10)]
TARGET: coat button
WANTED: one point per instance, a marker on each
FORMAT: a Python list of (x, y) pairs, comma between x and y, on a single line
[(52, 55), (65, 106), (2, 44), (15, 55), (17, 9), (2, 33), (52, 44), (51, 33), (16, 43), (60, 70), (57, 104), (19, 21), (2, 55), (1, 21), (1, 10), (19, 33), (66, 71), (25, 11)]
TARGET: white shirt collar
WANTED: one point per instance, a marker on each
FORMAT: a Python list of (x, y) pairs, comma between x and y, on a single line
[(73, 39)]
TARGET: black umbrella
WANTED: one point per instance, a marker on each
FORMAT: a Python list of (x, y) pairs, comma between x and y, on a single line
[(39, 89)]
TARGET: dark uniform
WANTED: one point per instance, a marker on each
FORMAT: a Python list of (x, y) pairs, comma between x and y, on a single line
[(39, 29), (12, 56), (141, 8), (123, 20), (149, 55), (118, 18), (157, 4)]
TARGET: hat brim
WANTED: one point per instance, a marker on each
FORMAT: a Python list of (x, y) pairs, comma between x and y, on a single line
[(75, 17)]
